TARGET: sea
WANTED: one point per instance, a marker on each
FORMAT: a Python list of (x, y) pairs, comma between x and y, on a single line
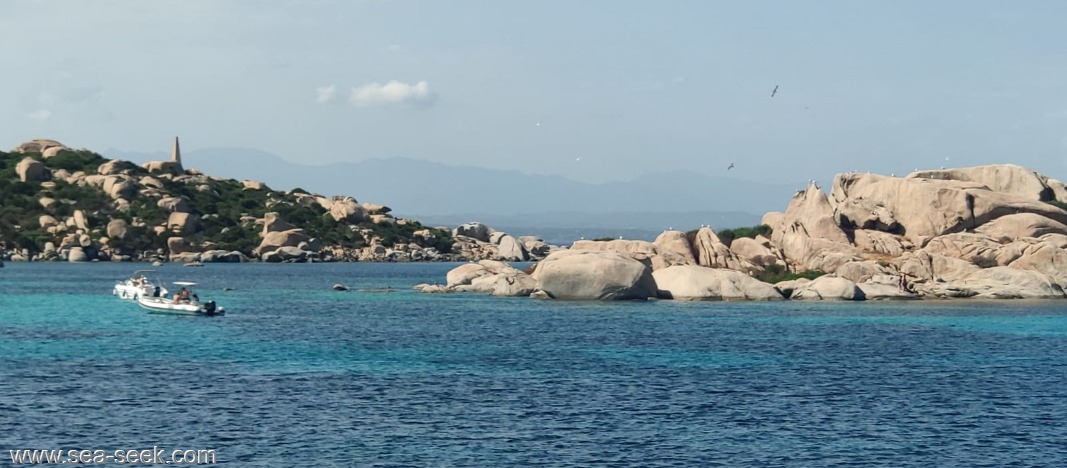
[(298, 374)]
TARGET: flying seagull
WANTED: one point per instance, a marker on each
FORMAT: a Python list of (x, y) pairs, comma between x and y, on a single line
[(731, 166), (774, 91)]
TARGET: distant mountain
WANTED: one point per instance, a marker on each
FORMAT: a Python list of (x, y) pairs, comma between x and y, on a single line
[(563, 227), (428, 190)]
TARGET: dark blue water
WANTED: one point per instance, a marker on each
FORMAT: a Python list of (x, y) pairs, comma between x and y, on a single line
[(299, 375)]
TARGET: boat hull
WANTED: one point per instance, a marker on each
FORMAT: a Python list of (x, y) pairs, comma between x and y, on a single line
[(158, 305), (138, 286), (133, 292)]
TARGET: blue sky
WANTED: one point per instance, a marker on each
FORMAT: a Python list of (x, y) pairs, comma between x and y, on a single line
[(592, 90)]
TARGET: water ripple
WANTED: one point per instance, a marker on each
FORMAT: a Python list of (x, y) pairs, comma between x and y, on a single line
[(298, 375)]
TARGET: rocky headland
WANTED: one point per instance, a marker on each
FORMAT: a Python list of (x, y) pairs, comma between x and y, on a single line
[(62, 204), (995, 231)]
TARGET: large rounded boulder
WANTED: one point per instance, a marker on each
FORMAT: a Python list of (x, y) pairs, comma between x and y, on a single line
[(222, 256), (476, 231), (37, 146), (509, 249), (183, 223), (1014, 226), (119, 186), (116, 167), (31, 170), (1002, 178), (829, 288), (596, 275), (173, 204), (275, 240), (117, 228), (930, 207), (347, 210), (700, 283)]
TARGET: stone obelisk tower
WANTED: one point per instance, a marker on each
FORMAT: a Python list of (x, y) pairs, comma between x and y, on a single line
[(176, 155)]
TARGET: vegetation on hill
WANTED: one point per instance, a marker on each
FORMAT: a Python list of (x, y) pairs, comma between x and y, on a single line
[(226, 211), (776, 273), (727, 236)]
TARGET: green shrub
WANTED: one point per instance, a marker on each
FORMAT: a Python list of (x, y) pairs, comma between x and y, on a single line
[(85, 198), (1058, 204), (776, 274), (240, 238), (74, 161), (442, 240), (727, 236)]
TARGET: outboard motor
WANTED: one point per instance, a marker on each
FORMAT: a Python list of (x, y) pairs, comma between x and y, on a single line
[(209, 307)]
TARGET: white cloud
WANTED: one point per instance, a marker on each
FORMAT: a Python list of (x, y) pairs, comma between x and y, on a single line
[(393, 92), (325, 93), (39, 115)]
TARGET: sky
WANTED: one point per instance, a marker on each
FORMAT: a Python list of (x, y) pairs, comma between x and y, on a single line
[(591, 90)]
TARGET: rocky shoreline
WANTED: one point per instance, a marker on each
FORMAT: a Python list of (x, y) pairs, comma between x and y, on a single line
[(993, 232), (285, 244)]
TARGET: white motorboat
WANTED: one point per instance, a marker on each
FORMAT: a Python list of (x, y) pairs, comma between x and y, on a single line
[(139, 285), (186, 302)]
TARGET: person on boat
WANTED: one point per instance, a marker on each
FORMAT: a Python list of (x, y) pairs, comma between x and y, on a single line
[(182, 296)]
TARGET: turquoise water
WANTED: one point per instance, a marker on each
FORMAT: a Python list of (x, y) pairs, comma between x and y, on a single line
[(296, 374)]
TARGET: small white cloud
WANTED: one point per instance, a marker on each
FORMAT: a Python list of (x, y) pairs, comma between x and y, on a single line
[(39, 115), (325, 93), (393, 47), (393, 92)]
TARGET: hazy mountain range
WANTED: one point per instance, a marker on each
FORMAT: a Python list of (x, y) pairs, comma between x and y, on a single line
[(514, 201)]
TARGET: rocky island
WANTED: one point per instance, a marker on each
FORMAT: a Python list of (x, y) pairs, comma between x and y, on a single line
[(995, 231), (62, 204)]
